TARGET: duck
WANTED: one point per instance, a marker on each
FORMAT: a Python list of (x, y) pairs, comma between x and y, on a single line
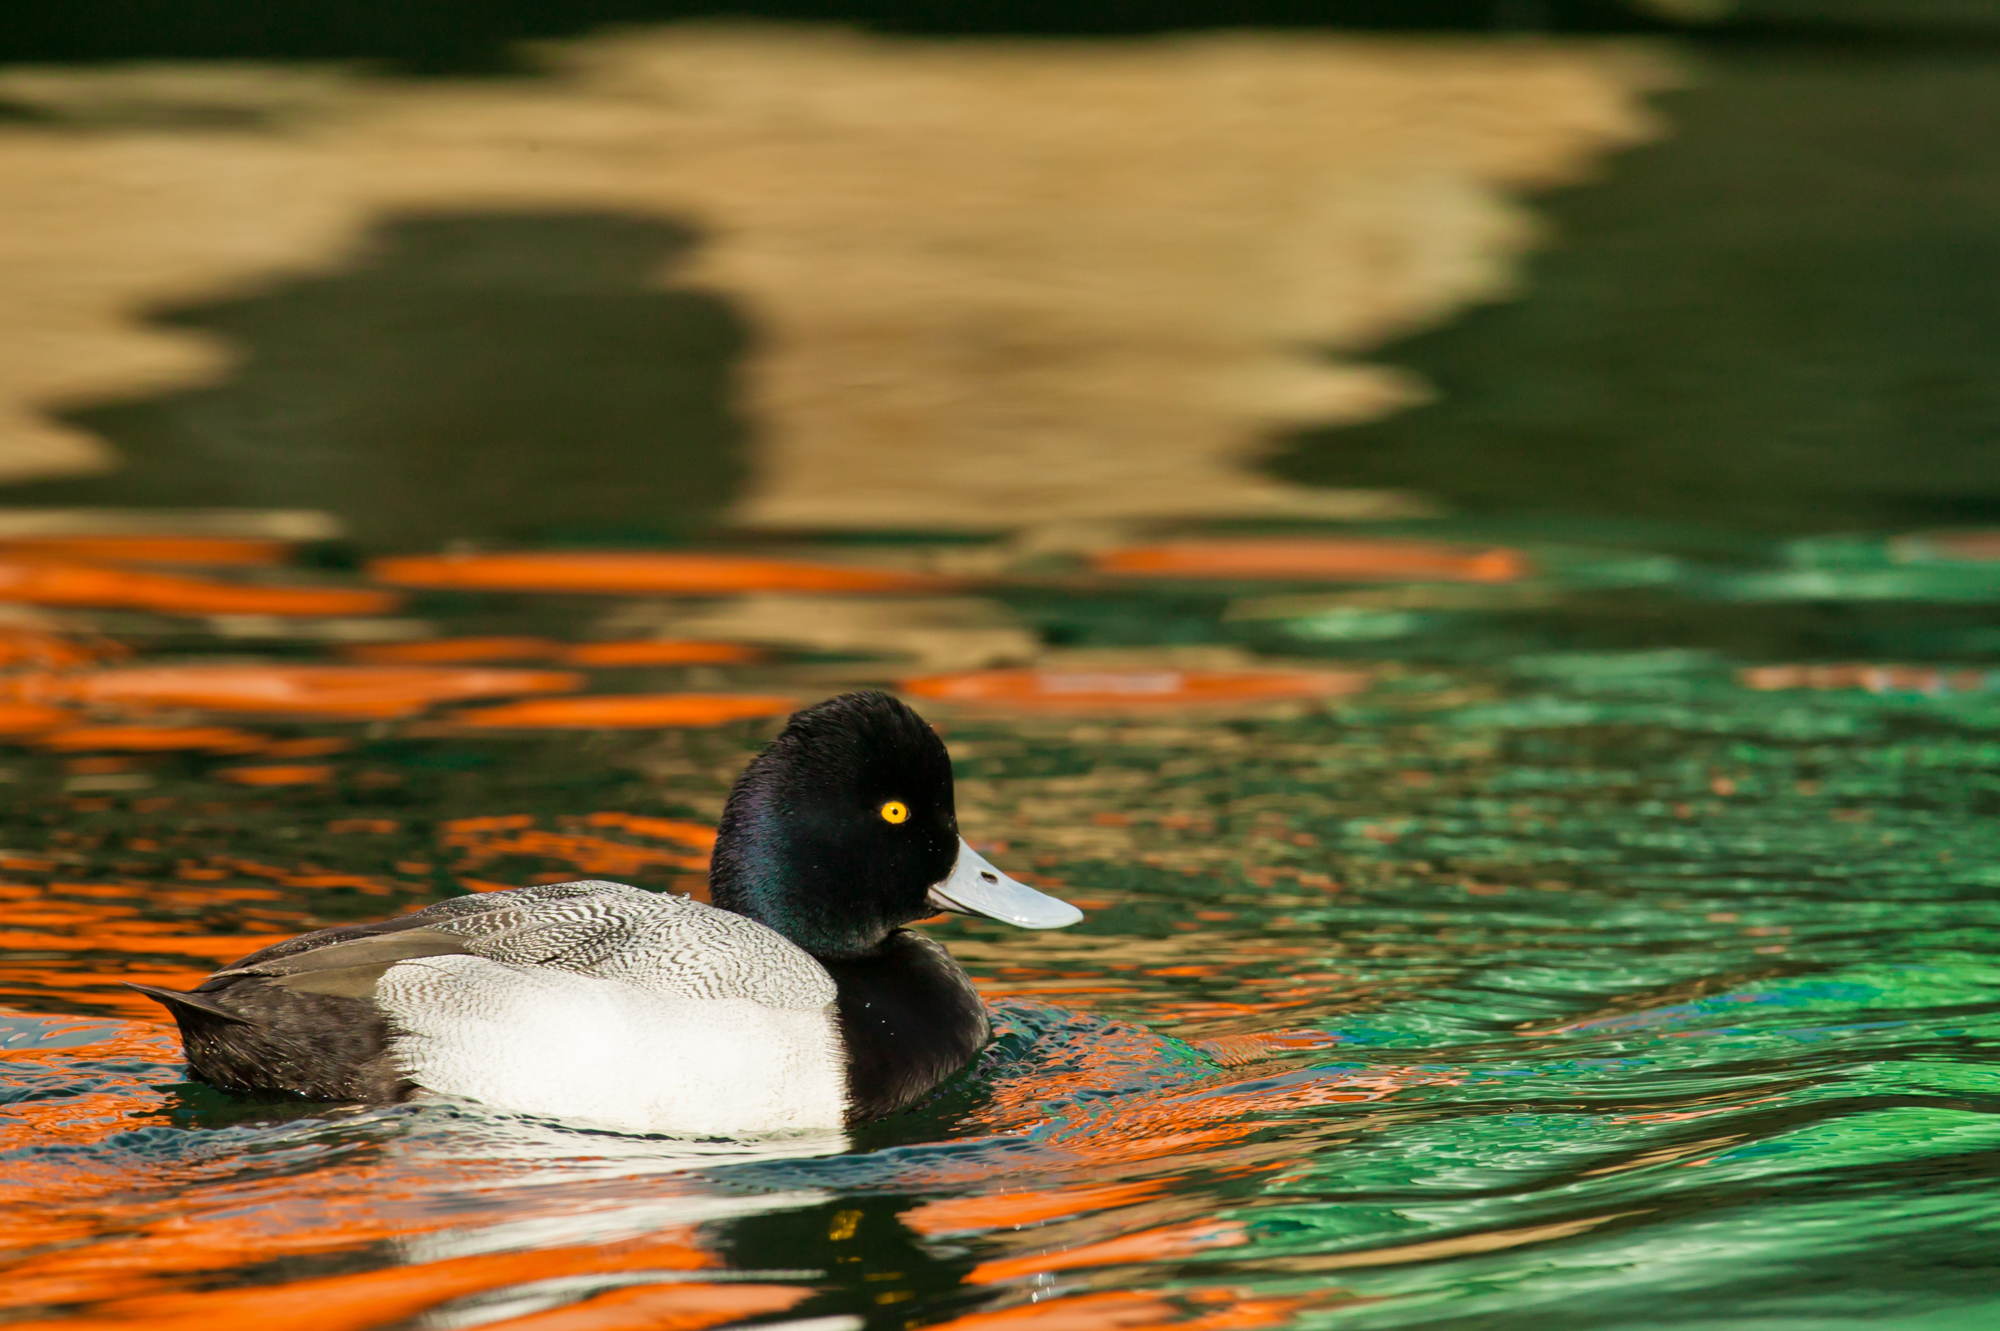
[(796, 1000)]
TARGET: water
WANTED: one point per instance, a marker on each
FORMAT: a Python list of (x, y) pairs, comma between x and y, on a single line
[(1566, 975), (1617, 953)]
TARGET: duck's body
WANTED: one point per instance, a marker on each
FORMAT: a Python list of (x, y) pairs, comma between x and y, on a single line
[(608, 1005)]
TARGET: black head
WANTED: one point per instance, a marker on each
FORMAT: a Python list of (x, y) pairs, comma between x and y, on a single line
[(835, 834)]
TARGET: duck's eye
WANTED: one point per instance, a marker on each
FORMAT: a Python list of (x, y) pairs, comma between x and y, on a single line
[(895, 811)]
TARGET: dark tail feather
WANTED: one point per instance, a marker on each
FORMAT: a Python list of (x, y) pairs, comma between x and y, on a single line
[(184, 1006)]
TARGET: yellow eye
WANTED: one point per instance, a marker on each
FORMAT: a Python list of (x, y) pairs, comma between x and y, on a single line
[(894, 812)]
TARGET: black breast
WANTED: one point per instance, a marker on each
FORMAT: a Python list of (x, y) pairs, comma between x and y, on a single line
[(910, 1018)]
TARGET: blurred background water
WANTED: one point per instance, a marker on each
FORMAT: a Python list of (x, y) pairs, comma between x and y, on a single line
[(1459, 533)]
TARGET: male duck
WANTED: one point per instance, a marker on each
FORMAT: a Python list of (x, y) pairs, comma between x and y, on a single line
[(797, 1001)]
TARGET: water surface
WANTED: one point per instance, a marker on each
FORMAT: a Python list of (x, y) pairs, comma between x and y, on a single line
[(1595, 965)]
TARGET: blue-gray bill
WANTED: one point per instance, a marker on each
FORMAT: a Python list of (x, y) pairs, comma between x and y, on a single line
[(975, 887)]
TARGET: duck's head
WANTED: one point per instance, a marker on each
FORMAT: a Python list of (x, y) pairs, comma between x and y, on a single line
[(845, 829)]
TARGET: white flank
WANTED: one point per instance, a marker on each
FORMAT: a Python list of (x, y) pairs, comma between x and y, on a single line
[(608, 1053)]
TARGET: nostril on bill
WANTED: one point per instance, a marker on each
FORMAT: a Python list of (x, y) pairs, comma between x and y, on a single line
[(988, 877)]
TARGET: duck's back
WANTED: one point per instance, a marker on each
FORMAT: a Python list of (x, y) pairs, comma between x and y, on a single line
[(591, 1001)]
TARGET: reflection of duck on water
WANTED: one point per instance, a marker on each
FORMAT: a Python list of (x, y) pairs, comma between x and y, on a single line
[(801, 1003)]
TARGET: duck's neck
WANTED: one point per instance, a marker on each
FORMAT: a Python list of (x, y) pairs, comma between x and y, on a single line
[(748, 877), (909, 1017)]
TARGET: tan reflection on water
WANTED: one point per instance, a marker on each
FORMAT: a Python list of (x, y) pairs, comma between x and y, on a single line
[(994, 283)]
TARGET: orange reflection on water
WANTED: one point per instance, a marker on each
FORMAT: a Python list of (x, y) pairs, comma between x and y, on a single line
[(644, 573), (1151, 1245), (1109, 688), (277, 774), (371, 1298), (636, 711), (80, 1118), (76, 941), (147, 938), (481, 841), (660, 652), (27, 718), (150, 739), (1318, 559), (154, 1249), (318, 690), (426, 1226), (46, 1201), (376, 826), (93, 980), (1002, 1210), (40, 583), (452, 651), (638, 652), (312, 746), (668, 1307), (670, 829)]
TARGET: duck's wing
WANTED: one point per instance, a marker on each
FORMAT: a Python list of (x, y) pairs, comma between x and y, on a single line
[(303, 1015), (612, 931), (668, 944)]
